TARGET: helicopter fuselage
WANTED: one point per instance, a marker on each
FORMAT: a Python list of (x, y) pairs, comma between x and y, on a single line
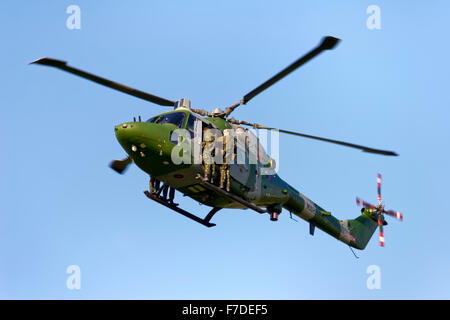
[(150, 145), (255, 185)]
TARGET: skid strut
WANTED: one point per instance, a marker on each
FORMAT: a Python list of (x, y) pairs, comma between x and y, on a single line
[(189, 215)]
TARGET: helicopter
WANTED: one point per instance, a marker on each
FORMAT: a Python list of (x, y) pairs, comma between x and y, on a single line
[(150, 144)]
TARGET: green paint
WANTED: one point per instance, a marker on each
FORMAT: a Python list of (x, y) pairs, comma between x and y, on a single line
[(149, 145)]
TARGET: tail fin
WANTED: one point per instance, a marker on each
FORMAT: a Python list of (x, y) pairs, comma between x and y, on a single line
[(362, 229)]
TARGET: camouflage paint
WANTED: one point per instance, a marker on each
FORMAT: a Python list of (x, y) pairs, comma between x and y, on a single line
[(149, 145)]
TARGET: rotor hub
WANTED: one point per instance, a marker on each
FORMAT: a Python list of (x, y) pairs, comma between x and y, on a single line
[(183, 103)]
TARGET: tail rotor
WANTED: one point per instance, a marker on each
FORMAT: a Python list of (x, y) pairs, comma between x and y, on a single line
[(378, 211)]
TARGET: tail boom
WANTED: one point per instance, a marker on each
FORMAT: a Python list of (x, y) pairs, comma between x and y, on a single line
[(355, 233)]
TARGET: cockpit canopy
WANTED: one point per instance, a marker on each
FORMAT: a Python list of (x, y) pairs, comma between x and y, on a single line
[(186, 120), (176, 118)]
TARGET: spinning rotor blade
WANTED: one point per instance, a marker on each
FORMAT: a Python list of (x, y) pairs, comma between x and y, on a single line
[(379, 188), (379, 211), (327, 43), (380, 225), (364, 204), (342, 143), (120, 165), (394, 214), (108, 83)]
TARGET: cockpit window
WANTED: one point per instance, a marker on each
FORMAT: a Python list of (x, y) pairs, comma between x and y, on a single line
[(176, 118), (191, 123), (153, 119)]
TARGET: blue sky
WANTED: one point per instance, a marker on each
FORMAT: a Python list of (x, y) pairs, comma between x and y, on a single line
[(62, 205)]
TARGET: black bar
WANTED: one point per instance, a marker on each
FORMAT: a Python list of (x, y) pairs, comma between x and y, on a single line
[(223, 309)]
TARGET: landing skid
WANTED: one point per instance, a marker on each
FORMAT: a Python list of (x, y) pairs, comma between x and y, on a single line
[(189, 215), (229, 195)]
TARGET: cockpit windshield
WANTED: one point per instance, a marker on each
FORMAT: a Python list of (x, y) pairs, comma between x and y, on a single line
[(153, 119), (176, 118)]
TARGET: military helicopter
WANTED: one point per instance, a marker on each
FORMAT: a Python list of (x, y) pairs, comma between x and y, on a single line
[(149, 145)]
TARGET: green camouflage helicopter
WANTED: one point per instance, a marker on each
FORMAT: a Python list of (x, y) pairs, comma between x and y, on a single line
[(150, 146)]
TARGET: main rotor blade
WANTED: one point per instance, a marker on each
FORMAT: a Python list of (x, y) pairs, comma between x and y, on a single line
[(327, 43), (347, 144), (108, 83), (121, 165)]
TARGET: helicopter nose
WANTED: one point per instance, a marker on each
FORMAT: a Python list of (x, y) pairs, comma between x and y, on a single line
[(127, 132), (124, 126), (134, 136)]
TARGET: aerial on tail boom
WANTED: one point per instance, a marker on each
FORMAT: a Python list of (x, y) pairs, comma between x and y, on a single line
[(150, 145)]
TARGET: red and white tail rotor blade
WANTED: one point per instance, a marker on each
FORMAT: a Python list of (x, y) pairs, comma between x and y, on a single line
[(394, 214), (380, 225), (379, 187), (364, 204)]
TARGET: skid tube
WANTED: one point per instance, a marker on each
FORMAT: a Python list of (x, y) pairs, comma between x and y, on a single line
[(204, 221)]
